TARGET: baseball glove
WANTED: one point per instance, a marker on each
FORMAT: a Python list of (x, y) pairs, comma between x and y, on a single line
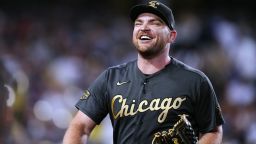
[(181, 133)]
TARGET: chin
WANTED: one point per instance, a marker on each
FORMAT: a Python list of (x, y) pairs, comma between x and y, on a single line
[(148, 54)]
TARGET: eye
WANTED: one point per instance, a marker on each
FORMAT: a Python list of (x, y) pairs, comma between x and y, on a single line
[(137, 23), (157, 23)]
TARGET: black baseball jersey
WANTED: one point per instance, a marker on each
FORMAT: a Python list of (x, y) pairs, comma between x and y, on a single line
[(141, 105)]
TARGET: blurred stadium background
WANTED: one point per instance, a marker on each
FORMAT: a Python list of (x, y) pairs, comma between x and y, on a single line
[(50, 51)]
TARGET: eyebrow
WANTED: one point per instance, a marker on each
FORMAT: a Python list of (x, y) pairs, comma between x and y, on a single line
[(151, 20)]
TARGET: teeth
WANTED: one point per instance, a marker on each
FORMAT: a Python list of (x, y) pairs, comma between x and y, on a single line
[(145, 37)]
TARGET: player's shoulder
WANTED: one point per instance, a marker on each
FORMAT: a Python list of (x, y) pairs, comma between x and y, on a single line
[(188, 70), (123, 67)]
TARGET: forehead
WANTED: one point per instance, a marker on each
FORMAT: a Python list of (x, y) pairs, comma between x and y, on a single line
[(148, 16)]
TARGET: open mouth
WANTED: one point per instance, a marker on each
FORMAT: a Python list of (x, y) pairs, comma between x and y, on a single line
[(145, 37)]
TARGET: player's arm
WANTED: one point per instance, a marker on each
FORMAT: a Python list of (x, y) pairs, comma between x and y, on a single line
[(79, 128), (213, 137)]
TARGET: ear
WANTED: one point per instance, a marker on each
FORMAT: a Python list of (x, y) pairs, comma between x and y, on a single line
[(173, 35)]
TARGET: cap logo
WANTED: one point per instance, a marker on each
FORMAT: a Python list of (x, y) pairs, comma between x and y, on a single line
[(153, 4)]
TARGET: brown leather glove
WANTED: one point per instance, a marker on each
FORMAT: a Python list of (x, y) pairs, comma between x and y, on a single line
[(181, 133)]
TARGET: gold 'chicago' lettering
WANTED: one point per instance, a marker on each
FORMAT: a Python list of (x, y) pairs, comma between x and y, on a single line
[(156, 104)]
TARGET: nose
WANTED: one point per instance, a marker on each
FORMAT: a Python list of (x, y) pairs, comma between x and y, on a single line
[(145, 27)]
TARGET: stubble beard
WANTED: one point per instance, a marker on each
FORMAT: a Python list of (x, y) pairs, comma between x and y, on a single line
[(149, 52)]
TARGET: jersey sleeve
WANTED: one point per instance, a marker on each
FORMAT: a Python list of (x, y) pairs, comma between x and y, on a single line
[(94, 102), (208, 112)]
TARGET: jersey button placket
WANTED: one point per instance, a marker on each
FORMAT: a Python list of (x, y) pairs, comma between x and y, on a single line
[(139, 117), (144, 86)]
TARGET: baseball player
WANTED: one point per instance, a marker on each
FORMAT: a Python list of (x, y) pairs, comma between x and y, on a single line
[(155, 98)]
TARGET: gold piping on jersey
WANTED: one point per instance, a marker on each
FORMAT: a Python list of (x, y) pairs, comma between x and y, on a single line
[(156, 104)]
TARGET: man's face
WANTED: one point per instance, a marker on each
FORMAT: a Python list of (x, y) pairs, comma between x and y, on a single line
[(151, 35)]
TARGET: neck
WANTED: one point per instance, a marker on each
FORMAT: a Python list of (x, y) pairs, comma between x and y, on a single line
[(151, 66)]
